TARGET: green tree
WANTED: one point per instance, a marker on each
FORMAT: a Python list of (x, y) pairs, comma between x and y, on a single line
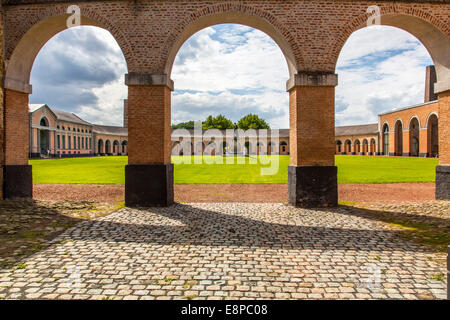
[(219, 122), (252, 121), (184, 125)]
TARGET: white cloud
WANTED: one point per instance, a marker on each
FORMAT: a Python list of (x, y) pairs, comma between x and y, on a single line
[(230, 69), (380, 68), (233, 70)]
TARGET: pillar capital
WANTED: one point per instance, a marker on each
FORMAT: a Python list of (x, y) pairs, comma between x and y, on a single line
[(312, 79), (18, 85), (148, 79), (442, 86)]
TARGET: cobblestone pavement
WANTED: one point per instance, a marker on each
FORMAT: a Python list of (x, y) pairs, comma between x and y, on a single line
[(233, 250)]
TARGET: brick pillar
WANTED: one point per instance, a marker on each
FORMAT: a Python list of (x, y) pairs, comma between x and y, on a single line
[(312, 176), (125, 113), (2, 77), (149, 173), (18, 181), (443, 169)]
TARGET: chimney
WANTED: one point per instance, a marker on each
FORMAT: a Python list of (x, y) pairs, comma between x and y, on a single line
[(430, 79), (125, 113)]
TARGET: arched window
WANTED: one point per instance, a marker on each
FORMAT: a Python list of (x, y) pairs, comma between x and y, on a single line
[(414, 131), (348, 147), (433, 137), (365, 148), (386, 140), (338, 146), (398, 138), (44, 122), (357, 147)]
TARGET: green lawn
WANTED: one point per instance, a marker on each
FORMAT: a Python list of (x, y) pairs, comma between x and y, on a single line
[(351, 169)]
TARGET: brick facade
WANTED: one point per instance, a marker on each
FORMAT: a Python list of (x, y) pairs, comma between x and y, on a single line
[(410, 131)]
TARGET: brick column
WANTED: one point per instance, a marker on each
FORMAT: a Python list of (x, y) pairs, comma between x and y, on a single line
[(443, 169), (312, 176), (149, 173), (18, 180), (2, 76)]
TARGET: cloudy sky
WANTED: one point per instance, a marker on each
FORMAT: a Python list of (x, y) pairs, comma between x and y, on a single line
[(230, 69)]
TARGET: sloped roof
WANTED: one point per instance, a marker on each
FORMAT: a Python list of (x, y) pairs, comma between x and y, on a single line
[(68, 116), (60, 115), (409, 107), (111, 130), (356, 130)]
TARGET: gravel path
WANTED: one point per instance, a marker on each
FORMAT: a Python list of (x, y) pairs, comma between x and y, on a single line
[(397, 192)]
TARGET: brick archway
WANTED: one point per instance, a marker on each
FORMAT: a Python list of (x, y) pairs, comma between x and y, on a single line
[(37, 30), (432, 32), (29, 36), (150, 33)]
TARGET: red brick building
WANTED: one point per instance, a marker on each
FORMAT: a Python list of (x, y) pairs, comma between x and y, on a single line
[(55, 133)]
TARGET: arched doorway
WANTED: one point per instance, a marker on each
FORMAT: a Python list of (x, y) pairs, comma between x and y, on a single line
[(116, 149), (24, 51), (284, 148), (433, 136), (398, 138), (108, 147), (414, 137), (365, 148), (125, 147), (348, 147), (100, 147), (373, 146), (338, 147), (385, 138), (357, 147), (44, 138), (248, 148)]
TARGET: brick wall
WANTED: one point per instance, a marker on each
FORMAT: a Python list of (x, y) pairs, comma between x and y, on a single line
[(444, 128), (422, 113)]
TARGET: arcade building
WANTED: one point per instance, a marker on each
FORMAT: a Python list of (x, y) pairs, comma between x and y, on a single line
[(410, 132)]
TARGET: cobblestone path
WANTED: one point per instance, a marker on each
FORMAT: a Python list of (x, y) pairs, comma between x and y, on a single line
[(228, 250)]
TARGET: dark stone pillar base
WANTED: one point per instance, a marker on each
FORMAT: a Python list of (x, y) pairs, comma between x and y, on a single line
[(149, 185), (18, 181), (443, 182), (313, 186)]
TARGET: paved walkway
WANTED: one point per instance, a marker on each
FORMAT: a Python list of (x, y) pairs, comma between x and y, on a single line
[(216, 251)]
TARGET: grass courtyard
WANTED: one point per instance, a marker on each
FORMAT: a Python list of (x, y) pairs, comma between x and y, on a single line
[(351, 169)]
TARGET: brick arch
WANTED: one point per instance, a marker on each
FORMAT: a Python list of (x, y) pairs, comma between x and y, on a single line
[(432, 113), (238, 14), (42, 26), (432, 32)]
